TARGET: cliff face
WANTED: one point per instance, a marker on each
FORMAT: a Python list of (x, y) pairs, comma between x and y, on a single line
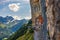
[(37, 9), (57, 18), (53, 18), (50, 18)]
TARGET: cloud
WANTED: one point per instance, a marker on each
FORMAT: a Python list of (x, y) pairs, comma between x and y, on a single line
[(27, 17), (14, 7), (17, 17), (20, 17)]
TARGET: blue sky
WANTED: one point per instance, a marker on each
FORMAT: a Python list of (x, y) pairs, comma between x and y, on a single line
[(22, 11)]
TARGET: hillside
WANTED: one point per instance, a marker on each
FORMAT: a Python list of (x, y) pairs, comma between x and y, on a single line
[(8, 26), (24, 33)]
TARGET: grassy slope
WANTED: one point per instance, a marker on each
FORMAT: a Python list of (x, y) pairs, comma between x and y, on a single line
[(2, 25), (28, 35), (23, 33)]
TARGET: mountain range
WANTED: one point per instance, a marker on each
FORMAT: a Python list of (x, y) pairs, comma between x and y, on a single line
[(8, 25), (6, 19)]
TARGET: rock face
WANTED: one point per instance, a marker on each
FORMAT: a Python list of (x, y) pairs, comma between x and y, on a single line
[(35, 10), (53, 18), (52, 11), (40, 32), (50, 18), (57, 18)]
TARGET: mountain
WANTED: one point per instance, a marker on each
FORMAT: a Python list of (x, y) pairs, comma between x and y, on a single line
[(24, 33), (6, 19), (2, 25), (9, 21), (19, 24), (8, 26)]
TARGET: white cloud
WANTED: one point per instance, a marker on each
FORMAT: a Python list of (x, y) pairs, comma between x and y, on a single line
[(17, 17), (20, 18), (27, 17), (14, 7)]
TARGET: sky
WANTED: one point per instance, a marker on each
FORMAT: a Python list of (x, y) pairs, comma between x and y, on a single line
[(19, 9)]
